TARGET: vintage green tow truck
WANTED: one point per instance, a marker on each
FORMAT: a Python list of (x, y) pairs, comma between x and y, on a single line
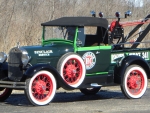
[(78, 53)]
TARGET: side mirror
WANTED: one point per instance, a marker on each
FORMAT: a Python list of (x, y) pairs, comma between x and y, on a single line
[(128, 13)]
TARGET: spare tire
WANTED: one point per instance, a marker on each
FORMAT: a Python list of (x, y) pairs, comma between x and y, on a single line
[(72, 69)]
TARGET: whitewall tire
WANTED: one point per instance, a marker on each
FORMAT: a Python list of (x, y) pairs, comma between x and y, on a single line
[(134, 83), (72, 69), (41, 88)]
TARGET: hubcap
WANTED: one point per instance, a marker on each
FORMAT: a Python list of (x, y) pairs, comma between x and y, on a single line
[(42, 87), (135, 82), (72, 71)]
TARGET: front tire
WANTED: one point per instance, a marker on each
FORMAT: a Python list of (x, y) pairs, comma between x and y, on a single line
[(41, 88), (90, 91), (5, 93), (72, 69), (134, 82)]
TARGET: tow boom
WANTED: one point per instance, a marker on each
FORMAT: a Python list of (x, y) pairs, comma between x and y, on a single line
[(117, 30)]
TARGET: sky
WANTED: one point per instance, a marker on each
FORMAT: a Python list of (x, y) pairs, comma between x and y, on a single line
[(137, 3)]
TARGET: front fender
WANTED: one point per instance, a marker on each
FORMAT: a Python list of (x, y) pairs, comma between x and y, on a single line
[(4, 66), (30, 72), (129, 60), (3, 70)]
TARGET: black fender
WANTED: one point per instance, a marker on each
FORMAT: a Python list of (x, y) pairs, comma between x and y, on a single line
[(129, 60), (3, 70), (31, 71), (4, 66)]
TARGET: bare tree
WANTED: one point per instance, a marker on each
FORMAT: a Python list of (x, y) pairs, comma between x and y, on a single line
[(20, 19)]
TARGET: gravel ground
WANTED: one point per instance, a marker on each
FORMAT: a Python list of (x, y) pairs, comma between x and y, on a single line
[(108, 100)]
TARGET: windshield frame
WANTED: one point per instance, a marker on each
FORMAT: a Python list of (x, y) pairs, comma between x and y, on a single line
[(48, 41)]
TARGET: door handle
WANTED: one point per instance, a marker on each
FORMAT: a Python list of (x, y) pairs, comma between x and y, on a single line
[(97, 52)]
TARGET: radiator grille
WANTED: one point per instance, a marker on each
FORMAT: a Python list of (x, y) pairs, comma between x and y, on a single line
[(15, 64)]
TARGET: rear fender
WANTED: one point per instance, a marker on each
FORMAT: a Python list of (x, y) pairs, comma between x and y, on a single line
[(129, 60), (30, 72)]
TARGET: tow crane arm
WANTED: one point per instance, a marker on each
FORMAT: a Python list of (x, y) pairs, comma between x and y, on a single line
[(117, 30)]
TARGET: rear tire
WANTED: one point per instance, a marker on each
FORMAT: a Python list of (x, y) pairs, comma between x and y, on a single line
[(90, 91), (134, 83), (41, 88), (5, 93)]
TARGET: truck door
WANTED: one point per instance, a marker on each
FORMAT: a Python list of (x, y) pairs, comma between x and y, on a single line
[(96, 58)]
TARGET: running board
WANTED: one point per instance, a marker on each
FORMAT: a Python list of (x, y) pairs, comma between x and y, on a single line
[(95, 85)]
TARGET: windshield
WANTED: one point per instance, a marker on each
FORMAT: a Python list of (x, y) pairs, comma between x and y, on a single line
[(66, 33)]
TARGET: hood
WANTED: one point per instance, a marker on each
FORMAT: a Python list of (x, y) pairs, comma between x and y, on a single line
[(47, 53)]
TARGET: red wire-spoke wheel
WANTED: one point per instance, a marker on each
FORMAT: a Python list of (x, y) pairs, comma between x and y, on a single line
[(41, 88), (135, 82), (5, 93), (72, 69)]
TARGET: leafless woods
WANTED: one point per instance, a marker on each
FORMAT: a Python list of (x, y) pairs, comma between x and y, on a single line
[(20, 19)]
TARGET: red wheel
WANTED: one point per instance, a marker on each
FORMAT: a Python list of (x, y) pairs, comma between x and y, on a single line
[(4, 93), (112, 25), (41, 88), (72, 69), (135, 82)]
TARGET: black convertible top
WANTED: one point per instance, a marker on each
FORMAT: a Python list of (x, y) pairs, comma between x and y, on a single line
[(78, 21)]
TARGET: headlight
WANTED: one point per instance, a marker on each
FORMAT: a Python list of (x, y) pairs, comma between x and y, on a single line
[(3, 57), (25, 58)]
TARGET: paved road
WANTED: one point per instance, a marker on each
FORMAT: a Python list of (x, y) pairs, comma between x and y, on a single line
[(108, 100)]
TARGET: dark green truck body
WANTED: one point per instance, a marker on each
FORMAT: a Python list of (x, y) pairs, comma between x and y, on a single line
[(104, 65)]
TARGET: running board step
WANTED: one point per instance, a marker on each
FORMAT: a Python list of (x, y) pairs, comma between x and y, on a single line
[(95, 85)]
